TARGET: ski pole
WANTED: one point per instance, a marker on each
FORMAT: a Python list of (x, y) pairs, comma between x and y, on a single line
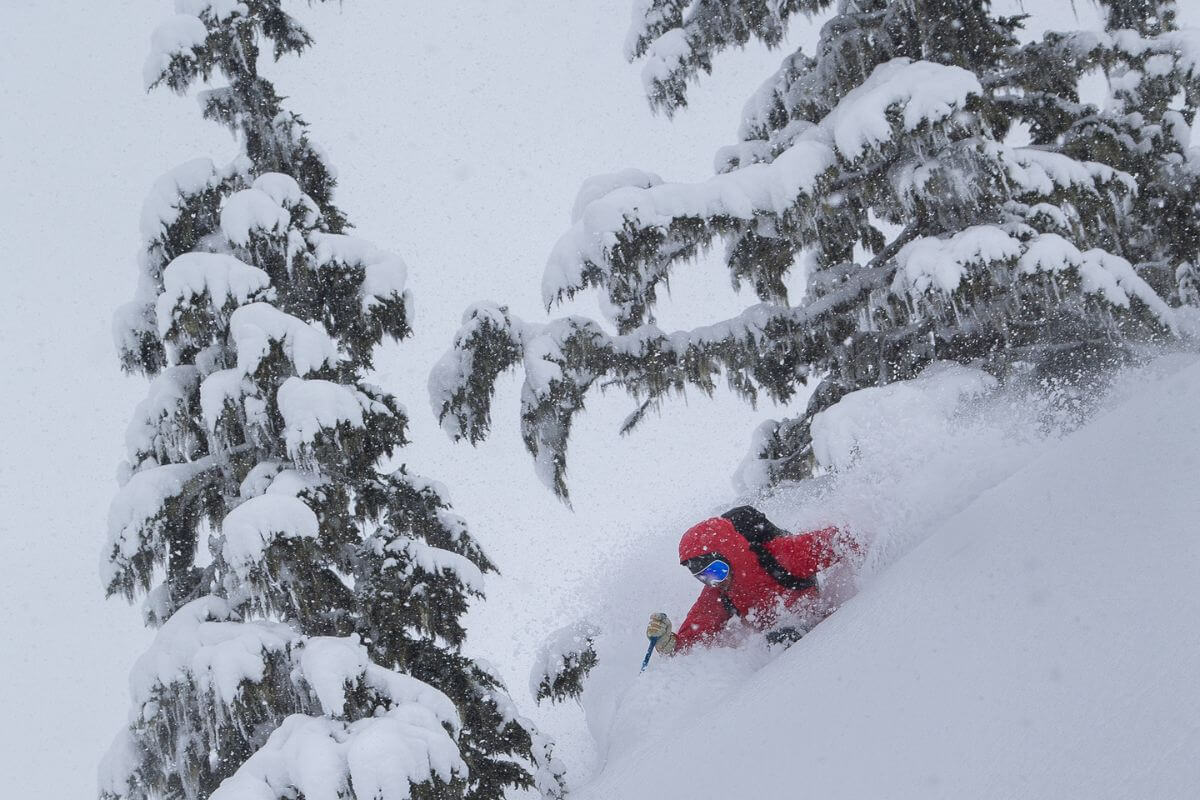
[(649, 652)]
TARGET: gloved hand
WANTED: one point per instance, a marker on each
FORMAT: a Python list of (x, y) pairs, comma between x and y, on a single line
[(660, 628)]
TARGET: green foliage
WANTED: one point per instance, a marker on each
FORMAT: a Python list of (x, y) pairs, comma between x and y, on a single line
[(568, 681), (879, 166)]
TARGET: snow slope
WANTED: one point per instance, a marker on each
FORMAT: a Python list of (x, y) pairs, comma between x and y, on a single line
[(1043, 642)]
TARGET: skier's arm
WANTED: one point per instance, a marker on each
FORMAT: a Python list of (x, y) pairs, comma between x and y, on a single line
[(707, 617)]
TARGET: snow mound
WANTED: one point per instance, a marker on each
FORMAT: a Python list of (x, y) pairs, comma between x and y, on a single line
[(840, 431)]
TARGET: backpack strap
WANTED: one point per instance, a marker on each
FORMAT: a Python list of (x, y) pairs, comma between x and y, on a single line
[(727, 604), (778, 572), (757, 530)]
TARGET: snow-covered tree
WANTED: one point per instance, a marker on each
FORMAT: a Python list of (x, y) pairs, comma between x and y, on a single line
[(1153, 70), (308, 603), (881, 167), (564, 661)]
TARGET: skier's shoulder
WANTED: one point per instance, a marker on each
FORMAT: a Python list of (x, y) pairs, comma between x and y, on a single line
[(809, 549), (821, 534)]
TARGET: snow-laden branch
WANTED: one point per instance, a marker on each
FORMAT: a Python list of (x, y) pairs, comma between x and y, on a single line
[(339, 720)]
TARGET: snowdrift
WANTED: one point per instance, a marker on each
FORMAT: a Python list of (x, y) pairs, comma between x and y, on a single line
[(1042, 640)]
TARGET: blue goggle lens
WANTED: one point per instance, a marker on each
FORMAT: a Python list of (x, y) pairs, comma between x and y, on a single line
[(714, 573)]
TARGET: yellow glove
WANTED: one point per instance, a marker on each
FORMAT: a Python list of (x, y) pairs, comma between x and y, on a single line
[(660, 628)]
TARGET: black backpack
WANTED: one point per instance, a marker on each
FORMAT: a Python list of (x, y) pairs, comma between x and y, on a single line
[(757, 530)]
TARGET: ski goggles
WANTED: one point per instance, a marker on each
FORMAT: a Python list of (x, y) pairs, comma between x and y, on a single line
[(716, 572)]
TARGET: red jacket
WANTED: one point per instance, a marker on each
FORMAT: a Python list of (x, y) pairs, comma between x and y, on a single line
[(751, 591)]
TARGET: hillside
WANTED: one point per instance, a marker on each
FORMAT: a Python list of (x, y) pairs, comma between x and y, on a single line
[(1040, 642)]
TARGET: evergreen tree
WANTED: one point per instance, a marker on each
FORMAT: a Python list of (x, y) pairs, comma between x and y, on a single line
[(879, 166), (309, 605), (1153, 70)]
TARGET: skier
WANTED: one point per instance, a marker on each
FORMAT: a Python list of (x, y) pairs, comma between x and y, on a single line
[(755, 571)]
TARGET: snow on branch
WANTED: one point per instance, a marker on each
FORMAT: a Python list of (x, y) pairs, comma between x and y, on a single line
[(218, 10), (626, 240), (768, 347), (251, 528), (989, 254), (1101, 273), (384, 274), (563, 662), (778, 99), (462, 382), (220, 392), (312, 408), (333, 666), (1041, 173), (140, 522), (598, 186), (417, 554), (171, 192), (224, 281), (941, 263), (180, 51), (162, 426), (251, 210), (1180, 46), (679, 39), (203, 643), (900, 95), (339, 721), (256, 328), (413, 508), (173, 50), (377, 758)]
